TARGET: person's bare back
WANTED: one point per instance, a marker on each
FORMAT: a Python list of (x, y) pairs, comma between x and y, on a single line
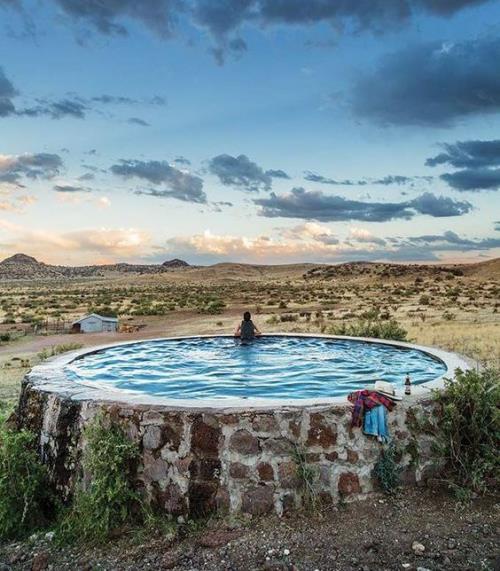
[(247, 330)]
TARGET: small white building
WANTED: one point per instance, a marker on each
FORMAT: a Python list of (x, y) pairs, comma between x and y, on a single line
[(94, 323)]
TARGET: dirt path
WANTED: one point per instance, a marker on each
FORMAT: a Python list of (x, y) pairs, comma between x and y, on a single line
[(178, 323), (375, 535)]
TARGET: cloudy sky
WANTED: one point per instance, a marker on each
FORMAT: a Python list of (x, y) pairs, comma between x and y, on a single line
[(250, 130)]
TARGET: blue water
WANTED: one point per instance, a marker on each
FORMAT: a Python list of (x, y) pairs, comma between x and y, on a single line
[(269, 367)]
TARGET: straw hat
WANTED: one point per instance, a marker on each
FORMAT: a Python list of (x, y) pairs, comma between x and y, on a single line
[(385, 388)]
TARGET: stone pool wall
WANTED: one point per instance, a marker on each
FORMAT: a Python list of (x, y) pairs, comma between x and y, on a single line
[(197, 461)]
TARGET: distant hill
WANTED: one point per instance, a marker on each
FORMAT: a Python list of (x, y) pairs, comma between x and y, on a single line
[(175, 263), (23, 267), (21, 259), (385, 270)]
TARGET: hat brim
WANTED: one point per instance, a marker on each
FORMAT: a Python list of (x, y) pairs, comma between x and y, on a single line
[(388, 395), (393, 397)]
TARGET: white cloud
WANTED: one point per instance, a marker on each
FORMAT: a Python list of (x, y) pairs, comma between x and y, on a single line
[(16, 204), (308, 231), (308, 242), (103, 202), (364, 236), (6, 162), (79, 246)]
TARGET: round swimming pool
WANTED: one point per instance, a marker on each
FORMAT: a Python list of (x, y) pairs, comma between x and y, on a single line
[(271, 367)]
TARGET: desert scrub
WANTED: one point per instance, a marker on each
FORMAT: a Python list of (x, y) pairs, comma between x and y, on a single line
[(25, 500), (308, 477), (104, 310), (468, 430), (387, 470), (212, 307), (367, 328), (58, 349), (108, 502), (288, 317), (5, 337)]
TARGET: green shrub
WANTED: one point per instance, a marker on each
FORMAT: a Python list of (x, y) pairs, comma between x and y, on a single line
[(109, 502), (387, 469), (24, 493), (468, 430), (212, 307), (288, 317), (371, 314), (105, 311), (57, 350), (308, 477), (379, 329)]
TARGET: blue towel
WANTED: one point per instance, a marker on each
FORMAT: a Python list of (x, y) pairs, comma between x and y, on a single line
[(375, 423)]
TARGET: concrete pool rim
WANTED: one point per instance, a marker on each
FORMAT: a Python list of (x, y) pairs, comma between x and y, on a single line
[(50, 377)]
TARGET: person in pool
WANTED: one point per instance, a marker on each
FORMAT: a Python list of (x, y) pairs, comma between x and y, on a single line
[(247, 330)]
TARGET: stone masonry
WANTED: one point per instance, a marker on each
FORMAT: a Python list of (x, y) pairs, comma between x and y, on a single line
[(194, 462)]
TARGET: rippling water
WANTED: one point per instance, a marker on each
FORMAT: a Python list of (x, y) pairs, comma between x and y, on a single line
[(269, 367)]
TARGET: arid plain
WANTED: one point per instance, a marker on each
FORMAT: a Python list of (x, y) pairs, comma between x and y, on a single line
[(453, 307)]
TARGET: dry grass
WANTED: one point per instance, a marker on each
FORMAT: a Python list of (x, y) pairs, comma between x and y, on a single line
[(478, 341), (10, 382)]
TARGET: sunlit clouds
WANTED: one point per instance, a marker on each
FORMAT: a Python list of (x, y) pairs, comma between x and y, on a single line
[(308, 242), (249, 131), (80, 246)]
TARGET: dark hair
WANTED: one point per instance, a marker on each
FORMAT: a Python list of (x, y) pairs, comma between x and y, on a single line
[(247, 316)]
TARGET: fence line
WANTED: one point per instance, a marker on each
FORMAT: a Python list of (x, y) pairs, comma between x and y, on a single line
[(52, 326)]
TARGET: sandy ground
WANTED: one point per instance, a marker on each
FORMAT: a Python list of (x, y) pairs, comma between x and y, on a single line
[(178, 323)]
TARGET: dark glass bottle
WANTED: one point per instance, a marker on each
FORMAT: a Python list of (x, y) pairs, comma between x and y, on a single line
[(407, 384)]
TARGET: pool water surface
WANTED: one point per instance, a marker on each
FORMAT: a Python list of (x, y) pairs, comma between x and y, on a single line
[(270, 367)]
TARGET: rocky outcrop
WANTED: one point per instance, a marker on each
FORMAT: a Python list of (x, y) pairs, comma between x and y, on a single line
[(175, 263), (196, 462), (23, 267)]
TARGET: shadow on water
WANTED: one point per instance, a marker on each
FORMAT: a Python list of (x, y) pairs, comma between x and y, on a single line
[(248, 358)]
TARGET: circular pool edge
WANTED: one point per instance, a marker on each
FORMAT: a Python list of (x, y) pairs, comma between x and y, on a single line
[(50, 377)]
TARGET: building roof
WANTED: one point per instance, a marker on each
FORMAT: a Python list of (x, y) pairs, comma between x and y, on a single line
[(101, 317)]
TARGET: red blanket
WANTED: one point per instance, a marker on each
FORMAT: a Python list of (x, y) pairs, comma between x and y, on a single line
[(367, 400)]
